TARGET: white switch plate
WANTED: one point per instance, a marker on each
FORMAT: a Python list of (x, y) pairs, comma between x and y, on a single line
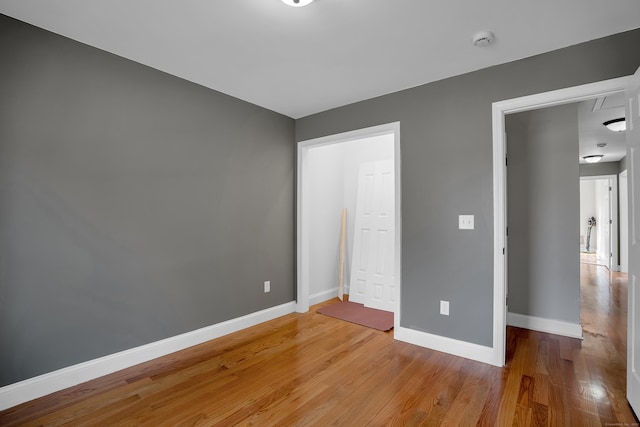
[(465, 222), (267, 286), (444, 307)]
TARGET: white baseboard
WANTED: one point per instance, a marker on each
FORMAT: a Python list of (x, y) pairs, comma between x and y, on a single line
[(323, 296), (464, 349), (551, 326), (32, 388)]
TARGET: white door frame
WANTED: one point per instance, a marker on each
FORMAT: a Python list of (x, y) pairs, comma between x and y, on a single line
[(499, 110), (613, 211), (303, 226)]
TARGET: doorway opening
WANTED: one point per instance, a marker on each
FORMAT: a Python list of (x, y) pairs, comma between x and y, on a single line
[(544, 202), (328, 180), (500, 110), (599, 233)]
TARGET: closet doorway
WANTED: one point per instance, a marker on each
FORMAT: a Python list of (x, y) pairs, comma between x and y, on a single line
[(329, 179)]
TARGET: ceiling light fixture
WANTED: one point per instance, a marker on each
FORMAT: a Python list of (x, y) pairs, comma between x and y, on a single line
[(616, 125), (296, 3), (593, 159)]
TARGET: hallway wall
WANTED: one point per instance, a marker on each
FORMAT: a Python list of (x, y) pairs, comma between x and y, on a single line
[(543, 203)]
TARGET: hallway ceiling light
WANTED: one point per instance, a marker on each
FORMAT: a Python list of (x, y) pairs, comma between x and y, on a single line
[(593, 159), (616, 125), (296, 3)]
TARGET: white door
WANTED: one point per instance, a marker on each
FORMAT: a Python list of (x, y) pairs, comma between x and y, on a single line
[(362, 234), (372, 274), (603, 219), (606, 226), (380, 289), (624, 224), (633, 183)]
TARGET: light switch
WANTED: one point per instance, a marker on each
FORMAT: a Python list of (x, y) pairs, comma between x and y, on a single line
[(465, 222)]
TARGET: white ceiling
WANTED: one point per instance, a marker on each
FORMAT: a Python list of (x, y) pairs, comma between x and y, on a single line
[(299, 61), (591, 116)]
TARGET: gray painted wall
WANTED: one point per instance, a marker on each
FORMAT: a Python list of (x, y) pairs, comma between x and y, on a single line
[(134, 206), (543, 206), (446, 156), (595, 169)]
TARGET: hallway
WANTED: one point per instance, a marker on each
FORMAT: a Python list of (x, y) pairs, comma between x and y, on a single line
[(603, 314), (566, 381)]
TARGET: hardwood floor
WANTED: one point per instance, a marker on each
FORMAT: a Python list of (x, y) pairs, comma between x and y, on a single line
[(309, 369)]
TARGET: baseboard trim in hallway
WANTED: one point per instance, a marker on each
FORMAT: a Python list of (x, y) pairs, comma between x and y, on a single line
[(550, 326)]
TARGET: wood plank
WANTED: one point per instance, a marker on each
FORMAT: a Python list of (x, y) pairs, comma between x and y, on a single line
[(540, 415), (466, 408), (491, 408)]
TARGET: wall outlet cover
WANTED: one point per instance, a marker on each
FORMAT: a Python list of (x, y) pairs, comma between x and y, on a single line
[(465, 222), (444, 308)]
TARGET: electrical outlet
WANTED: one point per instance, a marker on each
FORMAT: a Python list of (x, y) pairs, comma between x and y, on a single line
[(444, 308), (267, 286), (465, 222)]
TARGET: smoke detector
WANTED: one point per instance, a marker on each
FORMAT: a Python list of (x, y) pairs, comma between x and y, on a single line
[(601, 144), (483, 38)]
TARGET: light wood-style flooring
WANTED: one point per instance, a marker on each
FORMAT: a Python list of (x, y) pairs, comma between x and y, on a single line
[(308, 369)]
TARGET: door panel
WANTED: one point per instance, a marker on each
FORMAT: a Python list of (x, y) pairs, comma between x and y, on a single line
[(624, 224), (606, 225), (362, 240), (381, 290), (603, 226), (374, 240)]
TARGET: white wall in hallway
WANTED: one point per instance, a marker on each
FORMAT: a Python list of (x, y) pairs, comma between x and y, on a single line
[(587, 210)]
